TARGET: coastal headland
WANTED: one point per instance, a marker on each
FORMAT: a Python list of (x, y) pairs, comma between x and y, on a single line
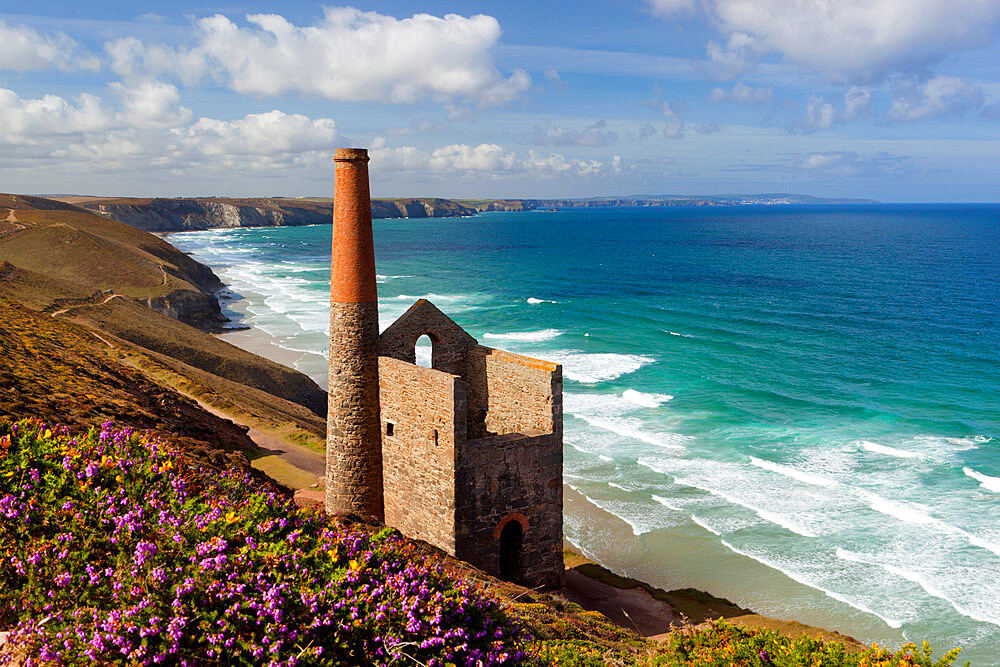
[(165, 214), (102, 321)]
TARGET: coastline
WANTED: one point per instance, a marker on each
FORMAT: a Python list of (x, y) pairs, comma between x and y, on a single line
[(793, 559), (665, 591)]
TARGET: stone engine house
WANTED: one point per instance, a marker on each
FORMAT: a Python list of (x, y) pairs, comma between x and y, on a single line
[(466, 454)]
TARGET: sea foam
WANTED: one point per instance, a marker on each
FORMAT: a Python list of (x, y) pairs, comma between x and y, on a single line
[(645, 400), (525, 336), (766, 515), (795, 576), (919, 579), (985, 481), (898, 510), (794, 473), (885, 450), (632, 428), (588, 368)]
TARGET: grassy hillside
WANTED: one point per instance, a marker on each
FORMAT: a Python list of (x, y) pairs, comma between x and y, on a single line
[(71, 244), (118, 548), (63, 373), (135, 288)]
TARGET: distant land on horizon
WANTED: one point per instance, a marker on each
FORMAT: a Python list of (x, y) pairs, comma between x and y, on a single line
[(175, 214)]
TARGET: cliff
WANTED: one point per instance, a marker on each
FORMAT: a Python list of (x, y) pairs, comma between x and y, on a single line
[(143, 297), (179, 215), (98, 257)]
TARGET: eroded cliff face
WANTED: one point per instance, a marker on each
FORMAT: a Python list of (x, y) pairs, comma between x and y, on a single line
[(198, 309), (181, 215), (177, 215)]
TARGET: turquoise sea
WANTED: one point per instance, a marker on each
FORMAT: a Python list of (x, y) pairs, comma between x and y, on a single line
[(796, 408)]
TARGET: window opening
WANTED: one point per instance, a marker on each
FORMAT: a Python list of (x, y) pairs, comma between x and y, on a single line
[(424, 351)]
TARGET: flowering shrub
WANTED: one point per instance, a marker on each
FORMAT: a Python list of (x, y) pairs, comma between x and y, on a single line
[(725, 645), (113, 549)]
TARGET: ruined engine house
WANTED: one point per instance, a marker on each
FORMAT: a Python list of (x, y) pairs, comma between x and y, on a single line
[(466, 454)]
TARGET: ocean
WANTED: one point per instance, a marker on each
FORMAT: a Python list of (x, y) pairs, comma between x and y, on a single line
[(793, 407)]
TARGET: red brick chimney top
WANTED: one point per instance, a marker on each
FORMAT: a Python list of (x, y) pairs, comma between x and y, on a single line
[(353, 270)]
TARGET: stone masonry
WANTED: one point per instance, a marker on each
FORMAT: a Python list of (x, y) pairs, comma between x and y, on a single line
[(467, 454), (353, 451), (470, 445)]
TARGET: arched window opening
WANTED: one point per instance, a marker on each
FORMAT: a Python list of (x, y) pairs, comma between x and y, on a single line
[(511, 543), (424, 350)]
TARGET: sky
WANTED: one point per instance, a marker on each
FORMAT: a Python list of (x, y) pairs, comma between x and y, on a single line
[(893, 100)]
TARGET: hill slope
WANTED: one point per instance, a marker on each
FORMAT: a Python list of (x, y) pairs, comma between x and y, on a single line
[(135, 289), (96, 255)]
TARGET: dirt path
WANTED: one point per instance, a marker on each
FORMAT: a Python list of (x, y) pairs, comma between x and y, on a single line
[(288, 463), (11, 217), (291, 464), (81, 305)]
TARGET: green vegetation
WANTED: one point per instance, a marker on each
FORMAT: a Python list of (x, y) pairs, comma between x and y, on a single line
[(119, 547), (141, 294)]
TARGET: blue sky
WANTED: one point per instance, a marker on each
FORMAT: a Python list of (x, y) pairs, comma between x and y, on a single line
[(896, 100)]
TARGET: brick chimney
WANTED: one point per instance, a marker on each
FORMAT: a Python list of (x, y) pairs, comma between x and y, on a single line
[(353, 427)]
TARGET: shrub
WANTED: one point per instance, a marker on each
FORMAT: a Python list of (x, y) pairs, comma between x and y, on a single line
[(113, 548)]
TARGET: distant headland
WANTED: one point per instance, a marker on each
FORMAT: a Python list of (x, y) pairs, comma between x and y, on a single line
[(188, 214)]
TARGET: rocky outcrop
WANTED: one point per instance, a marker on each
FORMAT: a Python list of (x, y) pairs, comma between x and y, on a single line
[(195, 308), (175, 215), (179, 215)]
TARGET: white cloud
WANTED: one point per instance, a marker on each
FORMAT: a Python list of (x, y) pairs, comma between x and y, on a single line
[(822, 115), (485, 159), (267, 138), (349, 55), (646, 130), (667, 7), (990, 112), (151, 132), (149, 104), (420, 126), (857, 103), (850, 40), (29, 122), (730, 61), (595, 134), (851, 164), (23, 49), (742, 94), (674, 129), (940, 96)]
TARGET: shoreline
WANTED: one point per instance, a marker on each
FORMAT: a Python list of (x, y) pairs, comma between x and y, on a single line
[(672, 586), (660, 543)]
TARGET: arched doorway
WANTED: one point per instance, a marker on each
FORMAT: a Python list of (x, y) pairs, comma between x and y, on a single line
[(511, 547)]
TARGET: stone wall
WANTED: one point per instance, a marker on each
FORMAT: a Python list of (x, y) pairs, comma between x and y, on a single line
[(496, 456), (514, 478), (510, 393), (426, 409), (514, 469), (450, 343), (353, 455)]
